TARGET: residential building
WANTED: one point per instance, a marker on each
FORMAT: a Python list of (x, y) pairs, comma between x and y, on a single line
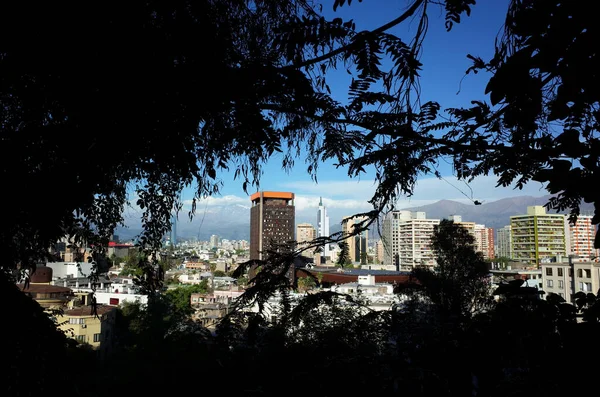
[(357, 244), (470, 226), (40, 289), (407, 239), (557, 277), (70, 269), (581, 237), (484, 241), (504, 242), (537, 236), (323, 227), (305, 232), (86, 325), (214, 241), (119, 250), (379, 252), (272, 220)]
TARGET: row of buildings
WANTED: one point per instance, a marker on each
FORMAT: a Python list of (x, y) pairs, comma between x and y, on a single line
[(272, 221), (538, 237), (406, 240)]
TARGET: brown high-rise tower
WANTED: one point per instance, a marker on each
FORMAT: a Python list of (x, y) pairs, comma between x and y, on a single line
[(272, 221)]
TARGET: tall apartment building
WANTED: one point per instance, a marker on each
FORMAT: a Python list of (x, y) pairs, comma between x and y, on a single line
[(272, 220), (457, 219), (214, 241), (323, 226), (484, 237), (358, 244), (407, 239), (484, 241), (581, 238), (379, 251), (537, 236), (504, 242), (305, 232)]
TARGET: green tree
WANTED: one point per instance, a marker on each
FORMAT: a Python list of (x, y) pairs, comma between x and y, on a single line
[(219, 273), (344, 255), (180, 297), (306, 283), (363, 258), (459, 286)]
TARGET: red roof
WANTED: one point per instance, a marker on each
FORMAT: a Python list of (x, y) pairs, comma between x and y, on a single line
[(118, 245)]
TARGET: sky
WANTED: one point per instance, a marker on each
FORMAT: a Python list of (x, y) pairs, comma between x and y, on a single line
[(445, 62)]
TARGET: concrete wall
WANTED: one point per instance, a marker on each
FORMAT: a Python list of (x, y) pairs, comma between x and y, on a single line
[(70, 269)]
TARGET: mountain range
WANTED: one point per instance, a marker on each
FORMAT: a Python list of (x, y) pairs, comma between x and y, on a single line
[(233, 221)]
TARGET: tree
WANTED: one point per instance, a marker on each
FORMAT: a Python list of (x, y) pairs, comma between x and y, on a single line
[(542, 120), (344, 255), (306, 283), (459, 286), (219, 273), (275, 54), (363, 258), (180, 297)]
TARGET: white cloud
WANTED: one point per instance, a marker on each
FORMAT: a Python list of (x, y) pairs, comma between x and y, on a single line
[(218, 201), (427, 189)]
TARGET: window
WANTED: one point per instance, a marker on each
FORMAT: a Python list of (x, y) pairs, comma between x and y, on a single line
[(561, 284), (560, 272), (588, 273), (549, 283), (73, 321), (580, 286), (81, 338), (588, 287), (579, 273), (96, 337), (82, 321), (548, 271)]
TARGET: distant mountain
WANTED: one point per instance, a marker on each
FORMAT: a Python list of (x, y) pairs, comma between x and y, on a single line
[(495, 214), (233, 221), (228, 221)]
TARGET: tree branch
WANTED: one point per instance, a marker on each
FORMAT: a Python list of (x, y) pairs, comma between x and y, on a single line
[(360, 38)]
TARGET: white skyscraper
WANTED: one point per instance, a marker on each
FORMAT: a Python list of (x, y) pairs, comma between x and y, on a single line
[(323, 225)]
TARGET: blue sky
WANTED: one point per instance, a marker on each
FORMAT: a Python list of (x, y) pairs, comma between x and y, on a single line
[(445, 62)]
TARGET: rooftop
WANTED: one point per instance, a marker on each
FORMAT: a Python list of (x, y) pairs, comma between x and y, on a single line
[(360, 272), (43, 288), (88, 311)]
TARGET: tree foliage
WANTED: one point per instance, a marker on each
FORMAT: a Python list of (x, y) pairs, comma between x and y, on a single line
[(343, 259), (459, 285)]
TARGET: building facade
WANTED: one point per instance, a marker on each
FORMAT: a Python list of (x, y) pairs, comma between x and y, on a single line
[(557, 278), (504, 242), (407, 239), (214, 241), (87, 326), (484, 241), (379, 251), (305, 232), (470, 226), (357, 244), (323, 227), (272, 220), (537, 236), (581, 238)]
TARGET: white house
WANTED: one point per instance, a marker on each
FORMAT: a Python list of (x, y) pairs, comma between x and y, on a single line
[(70, 269)]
